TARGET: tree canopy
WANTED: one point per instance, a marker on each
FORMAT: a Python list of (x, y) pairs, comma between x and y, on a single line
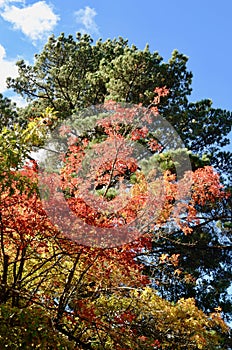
[(72, 73), (165, 285)]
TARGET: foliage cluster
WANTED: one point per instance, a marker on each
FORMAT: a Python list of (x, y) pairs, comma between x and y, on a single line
[(147, 292)]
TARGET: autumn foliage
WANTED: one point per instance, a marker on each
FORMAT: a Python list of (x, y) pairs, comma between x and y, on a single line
[(70, 242)]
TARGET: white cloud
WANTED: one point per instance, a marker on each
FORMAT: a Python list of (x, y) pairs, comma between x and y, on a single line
[(7, 69), (85, 17), (4, 3), (35, 21)]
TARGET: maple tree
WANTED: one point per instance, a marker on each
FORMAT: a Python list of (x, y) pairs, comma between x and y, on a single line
[(71, 73), (93, 294)]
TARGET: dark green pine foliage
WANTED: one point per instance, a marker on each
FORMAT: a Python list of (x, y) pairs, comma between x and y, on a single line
[(66, 73), (8, 112)]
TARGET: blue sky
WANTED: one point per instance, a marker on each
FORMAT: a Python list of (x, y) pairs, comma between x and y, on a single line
[(199, 29)]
